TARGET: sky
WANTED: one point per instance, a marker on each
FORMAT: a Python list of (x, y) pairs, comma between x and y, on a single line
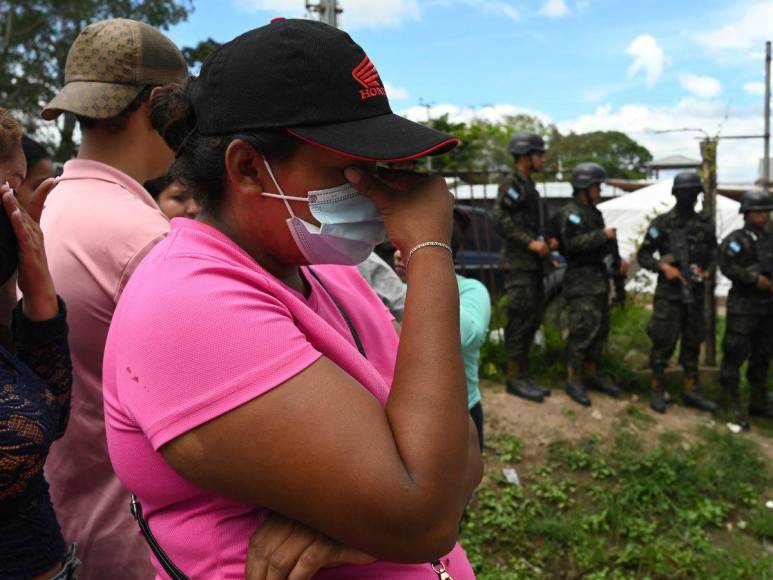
[(628, 65)]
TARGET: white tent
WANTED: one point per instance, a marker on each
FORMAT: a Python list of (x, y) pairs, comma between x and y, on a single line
[(632, 213)]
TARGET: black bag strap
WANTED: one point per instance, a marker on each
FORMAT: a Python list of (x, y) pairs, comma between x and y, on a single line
[(346, 318), (136, 508), (166, 563)]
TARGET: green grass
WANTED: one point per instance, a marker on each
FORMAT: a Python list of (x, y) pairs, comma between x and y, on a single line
[(617, 509)]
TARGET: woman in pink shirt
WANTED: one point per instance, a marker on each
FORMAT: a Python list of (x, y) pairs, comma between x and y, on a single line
[(250, 370)]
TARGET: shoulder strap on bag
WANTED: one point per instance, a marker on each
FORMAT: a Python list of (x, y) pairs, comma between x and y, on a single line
[(166, 563), (136, 508), (346, 318)]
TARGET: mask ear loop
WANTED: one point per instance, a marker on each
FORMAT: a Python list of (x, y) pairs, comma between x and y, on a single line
[(281, 194)]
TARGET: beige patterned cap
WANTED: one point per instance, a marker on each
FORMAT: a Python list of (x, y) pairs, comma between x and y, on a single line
[(108, 66)]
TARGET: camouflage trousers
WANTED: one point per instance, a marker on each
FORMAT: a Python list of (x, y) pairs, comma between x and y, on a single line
[(747, 337), (588, 329), (525, 310), (670, 321)]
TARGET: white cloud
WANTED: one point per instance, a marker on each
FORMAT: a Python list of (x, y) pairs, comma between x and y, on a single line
[(382, 13), (356, 13), (554, 9), (601, 92), (492, 113), (745, 30), (737, 158), (493, 8), (583, 5), (754, 88), (648, 57), (396, 93), (704, 87)]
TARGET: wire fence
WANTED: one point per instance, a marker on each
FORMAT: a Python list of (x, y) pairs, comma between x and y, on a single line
[(479, 255)]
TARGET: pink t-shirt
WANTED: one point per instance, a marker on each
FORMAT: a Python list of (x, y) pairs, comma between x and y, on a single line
[(200, 330), (98, 223)]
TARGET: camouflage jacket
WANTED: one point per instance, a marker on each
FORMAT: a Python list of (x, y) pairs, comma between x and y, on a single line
[(584, 244), (701, 243), (739, 261), (516, 219)]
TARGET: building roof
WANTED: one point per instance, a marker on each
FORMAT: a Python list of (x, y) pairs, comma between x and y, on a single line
[(553, 189), (673, 162)]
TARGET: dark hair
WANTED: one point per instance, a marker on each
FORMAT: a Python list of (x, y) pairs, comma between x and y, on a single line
[(157, 185), (200, 159), (461, 224), (117, 123), (34, 152)]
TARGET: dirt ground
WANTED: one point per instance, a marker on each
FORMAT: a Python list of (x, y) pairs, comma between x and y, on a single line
[(537, 424)]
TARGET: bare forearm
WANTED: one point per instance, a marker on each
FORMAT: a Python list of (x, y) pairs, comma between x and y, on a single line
[(427, 408)]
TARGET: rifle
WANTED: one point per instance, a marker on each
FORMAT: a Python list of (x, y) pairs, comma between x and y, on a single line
[(613, 263), (680, 249), (765, 255), (547, 261)]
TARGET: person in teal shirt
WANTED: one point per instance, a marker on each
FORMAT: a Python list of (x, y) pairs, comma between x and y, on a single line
[(474, 318)]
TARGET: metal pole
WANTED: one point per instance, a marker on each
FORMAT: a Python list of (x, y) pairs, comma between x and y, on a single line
[(330, 13), (428, 106), (709, 155), (766, 158), (327, 10)]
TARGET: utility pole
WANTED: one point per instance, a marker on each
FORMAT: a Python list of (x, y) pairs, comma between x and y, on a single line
[(766, 157), (709, 169), (709, 156), (327, 10)]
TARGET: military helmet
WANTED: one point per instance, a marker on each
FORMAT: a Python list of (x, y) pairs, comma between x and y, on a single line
[(586, 174), (525, 142), (687, 180), (755, 201)]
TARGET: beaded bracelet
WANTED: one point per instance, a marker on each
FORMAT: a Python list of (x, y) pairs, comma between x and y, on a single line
[(418, 247)]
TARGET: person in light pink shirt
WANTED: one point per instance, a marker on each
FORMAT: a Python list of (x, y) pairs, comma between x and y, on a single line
[(99, 223), (250, 370)]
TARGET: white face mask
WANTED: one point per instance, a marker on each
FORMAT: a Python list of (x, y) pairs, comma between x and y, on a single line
[(351, 225)]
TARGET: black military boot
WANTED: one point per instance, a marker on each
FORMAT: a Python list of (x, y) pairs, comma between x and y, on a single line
[(692, 396), (731, 399), (738, 416), (518, 385), (575, 388), (658, 396), (526, 375), (759, 404), (594, 381)]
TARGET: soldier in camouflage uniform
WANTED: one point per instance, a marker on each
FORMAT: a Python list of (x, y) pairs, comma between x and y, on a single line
[(745, 257), (585, 242), (678, 308), (518, 214)]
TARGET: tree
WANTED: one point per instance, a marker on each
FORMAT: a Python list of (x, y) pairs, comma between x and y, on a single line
[(35, 36), (621, 156), (483, 149), (196, 55), (483, 146)]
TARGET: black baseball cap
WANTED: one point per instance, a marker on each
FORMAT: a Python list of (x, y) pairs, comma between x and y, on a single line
[(314, 81)]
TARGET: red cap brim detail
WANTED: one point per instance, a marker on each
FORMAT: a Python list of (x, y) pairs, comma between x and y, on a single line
[(386, 138), (434, 150)]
